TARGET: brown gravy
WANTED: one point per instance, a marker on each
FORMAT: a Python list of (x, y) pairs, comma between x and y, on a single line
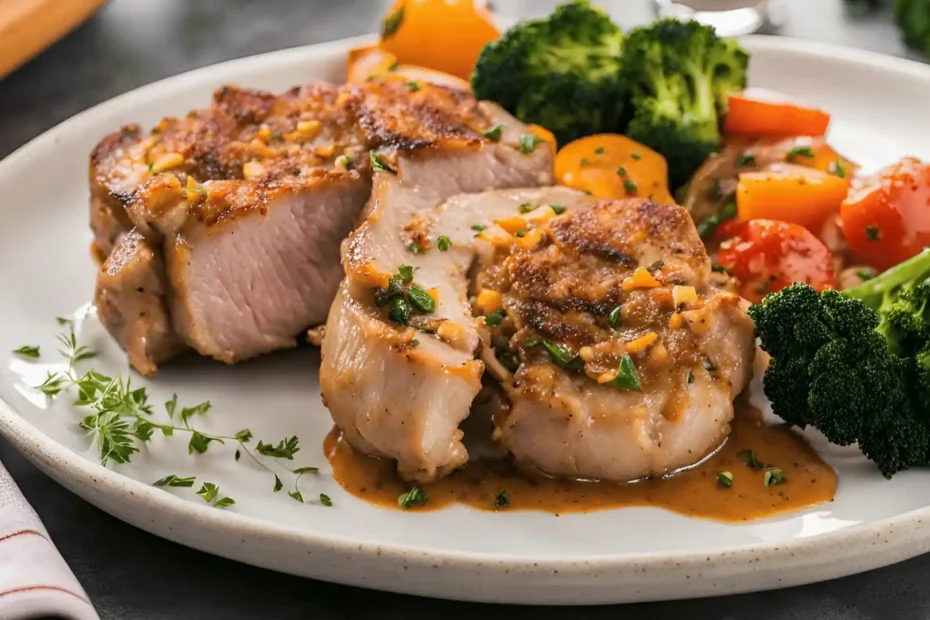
[(695, 492)]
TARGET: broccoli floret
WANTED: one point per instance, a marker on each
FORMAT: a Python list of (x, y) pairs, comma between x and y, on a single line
[(855, 365), (561, 72), (679, 74), (913, 17)]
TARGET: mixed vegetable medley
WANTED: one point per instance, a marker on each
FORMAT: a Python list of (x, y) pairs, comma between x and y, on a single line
[(832, 259)]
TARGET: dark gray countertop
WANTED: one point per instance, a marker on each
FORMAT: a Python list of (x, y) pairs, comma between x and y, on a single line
[(130, 574)]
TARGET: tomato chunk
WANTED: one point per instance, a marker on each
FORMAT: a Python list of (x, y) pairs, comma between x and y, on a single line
[(886, 218), (767, 255)]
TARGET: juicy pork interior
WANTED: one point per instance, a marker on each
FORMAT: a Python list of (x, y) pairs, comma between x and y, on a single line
[(392, 396), (237, 212), (566, 295)]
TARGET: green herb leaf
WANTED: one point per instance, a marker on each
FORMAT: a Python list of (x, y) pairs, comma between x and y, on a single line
[(502, 500), (559, 209), (295, 494), (325, 500), (709, 365), (278, 485), (400, 311), (621, 171), (629, 187), (599, 150), (478, 227), (627, 376), (526, 207), (866, 273), (725, 479), (443, 243), (494, 133), (521, 233), (746, 160), (614, 317), (189, 412), (225, 502), (378, 164), (392, 22), (718, 268), (200, 442), (421, 300), (406, 272), (528, 143), (412, 87), (636, 156), (562, 355), (345, 161), (244, 435), (416, 248), (690, 377), (799, 151), (414, 497), (773, 476), (27, 351), (173, 480), (495, 318), (837, 168), (52, 385), (208, 491), (171, 405), (286, 448), (872, 233), (306, 470)]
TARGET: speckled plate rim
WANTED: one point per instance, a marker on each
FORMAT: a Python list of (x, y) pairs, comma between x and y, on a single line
[(479, 577)]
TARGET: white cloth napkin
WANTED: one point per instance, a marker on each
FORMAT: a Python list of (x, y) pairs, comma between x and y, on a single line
[(35, 581)]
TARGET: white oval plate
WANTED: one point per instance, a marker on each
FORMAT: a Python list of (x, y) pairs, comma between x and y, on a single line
[(520, 557)]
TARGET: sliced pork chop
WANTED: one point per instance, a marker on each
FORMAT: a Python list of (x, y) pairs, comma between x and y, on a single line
[(626, 360), (396, 390)]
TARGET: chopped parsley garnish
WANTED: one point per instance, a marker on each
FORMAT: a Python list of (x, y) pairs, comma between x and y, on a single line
[(478, 227), (559, 209), (521, 233), (636, 156), (416, 248), (872, 233), (325, 500), (746, 160), (413, 87), (718, 268), (629, 187), (443, 243), (583, 162), (406, 272), (392, 23), (709, 366), (528, 143), (378, 164), (562, 355), (708, 227), (799, 151), (495, 318), (614, 317), (837, 168), (414, 343), (866, 273), (173, 480), (526, 207), (501, 500), (414, 497), (773, 476), (599, 150), (690, 377), (345, 161), (627, 376), (725, 479), (27, 351), (494, 133), (400, 311), (421, 300), (621, 171), (210, 494)]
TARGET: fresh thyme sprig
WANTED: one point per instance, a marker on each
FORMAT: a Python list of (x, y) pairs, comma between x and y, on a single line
[(121, 419)]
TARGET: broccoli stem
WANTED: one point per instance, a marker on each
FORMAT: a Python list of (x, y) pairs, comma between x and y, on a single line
[(874, 293)]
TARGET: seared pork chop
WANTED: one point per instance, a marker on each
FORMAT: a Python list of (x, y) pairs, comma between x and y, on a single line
[(398, 370), (626, 360)]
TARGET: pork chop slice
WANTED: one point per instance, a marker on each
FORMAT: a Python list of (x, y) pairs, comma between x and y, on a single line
[(399, 386), (130, 301), (625, 359)]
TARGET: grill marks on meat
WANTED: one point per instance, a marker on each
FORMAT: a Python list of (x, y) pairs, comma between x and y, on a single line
[(693, 357)]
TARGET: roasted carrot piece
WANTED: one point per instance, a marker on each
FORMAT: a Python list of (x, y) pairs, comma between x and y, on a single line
[(790, 193), (758, 117)]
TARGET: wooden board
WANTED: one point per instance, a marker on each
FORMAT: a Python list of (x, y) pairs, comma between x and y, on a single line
[(29, 26)]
